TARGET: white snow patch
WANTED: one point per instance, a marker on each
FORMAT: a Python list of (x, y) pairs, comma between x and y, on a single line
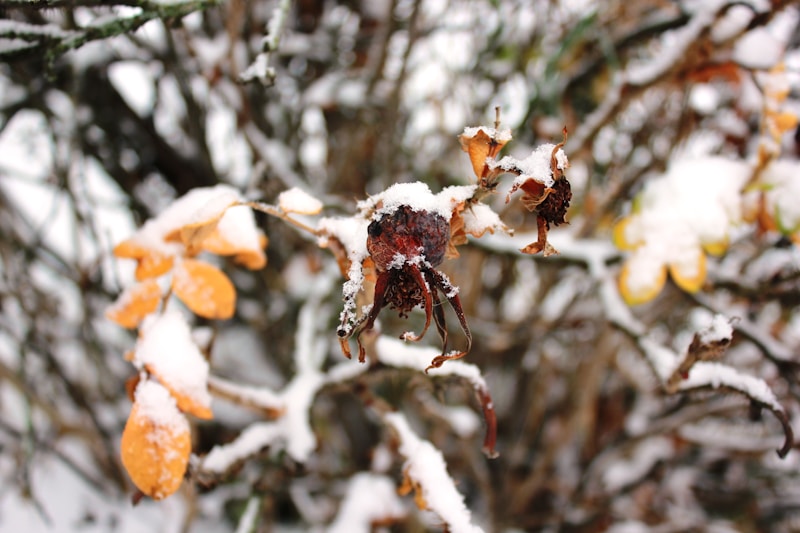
[(165, 345), (296, 200), (370, 498)]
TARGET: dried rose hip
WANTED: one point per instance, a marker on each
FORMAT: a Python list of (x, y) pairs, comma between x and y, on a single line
[(406, 246)]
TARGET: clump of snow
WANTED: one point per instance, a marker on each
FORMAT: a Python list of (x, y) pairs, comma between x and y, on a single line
[(198, 205), (719, 330), (370, 499), (503, 135), (426, 466), (480, 218), (537, 166), (695, 202), (715, 375), (418, 197), (165, 345), (758, 49), (296, 200), (155, 404)]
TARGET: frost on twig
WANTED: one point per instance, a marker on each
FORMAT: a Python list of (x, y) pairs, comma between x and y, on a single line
[(260, 69)]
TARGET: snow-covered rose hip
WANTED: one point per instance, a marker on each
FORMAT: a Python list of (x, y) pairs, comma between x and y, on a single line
[(406, 245)]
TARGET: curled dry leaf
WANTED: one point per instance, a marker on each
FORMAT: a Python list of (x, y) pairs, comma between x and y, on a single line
[(205, 289), (481, 143), (156, 442), (135, 303)]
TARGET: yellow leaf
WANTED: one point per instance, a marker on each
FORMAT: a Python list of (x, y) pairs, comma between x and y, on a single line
[(637, 286), (185, 402), (620, 235), (135, 303), (689, 275), (156, 442), (204, 289), (716, 248)]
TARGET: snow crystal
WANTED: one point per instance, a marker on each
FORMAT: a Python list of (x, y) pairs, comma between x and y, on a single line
[(155, 404), (297, 200), (165, 345)]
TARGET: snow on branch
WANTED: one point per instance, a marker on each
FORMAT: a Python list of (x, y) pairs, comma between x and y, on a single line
[(384, 504), (426, 473), (402, 355), (260, 69)]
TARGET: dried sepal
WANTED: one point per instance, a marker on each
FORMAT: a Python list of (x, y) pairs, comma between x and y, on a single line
[(205, 289), (546, 191), (135, 303), (482, 143), (156, 442)]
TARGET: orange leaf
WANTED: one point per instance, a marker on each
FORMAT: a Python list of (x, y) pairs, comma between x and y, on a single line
[(186, 403), (252, 258), (130, 249), (135, 303), (193, 235), (153, 265), (156, 442), (204, 289), (620, 235)]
